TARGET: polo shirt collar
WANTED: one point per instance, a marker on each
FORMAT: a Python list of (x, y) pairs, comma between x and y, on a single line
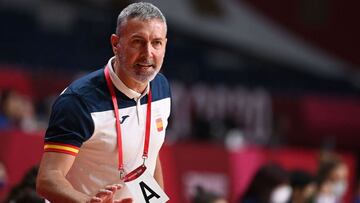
[(121, 86)]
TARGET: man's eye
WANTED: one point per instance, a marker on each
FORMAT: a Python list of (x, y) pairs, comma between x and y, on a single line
[(136, 42), (157, 44)]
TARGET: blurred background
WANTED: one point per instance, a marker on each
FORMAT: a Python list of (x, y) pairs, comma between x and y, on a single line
[(253, 82)]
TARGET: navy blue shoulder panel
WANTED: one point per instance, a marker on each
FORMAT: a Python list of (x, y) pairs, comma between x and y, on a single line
[(94, 91), (160, 88), (70, 121)]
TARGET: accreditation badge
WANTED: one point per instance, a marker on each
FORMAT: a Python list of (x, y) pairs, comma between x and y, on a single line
[(143, 187)]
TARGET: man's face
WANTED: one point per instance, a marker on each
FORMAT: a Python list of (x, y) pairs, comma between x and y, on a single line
[(140, 49)]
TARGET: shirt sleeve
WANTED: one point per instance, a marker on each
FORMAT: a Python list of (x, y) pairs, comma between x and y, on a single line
[(70, 125)]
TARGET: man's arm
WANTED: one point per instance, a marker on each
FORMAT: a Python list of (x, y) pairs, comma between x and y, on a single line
[(51, 182), (158, 175)]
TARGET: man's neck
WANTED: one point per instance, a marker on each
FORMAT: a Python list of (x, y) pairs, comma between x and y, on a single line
[(134, 85)]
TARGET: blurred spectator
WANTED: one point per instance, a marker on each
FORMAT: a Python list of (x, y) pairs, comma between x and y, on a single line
[(3, 175), (303, 186), (16, 111), (26, 195), (203, 196), (25, 191), (331, 179), (269, 185), (4, 121)]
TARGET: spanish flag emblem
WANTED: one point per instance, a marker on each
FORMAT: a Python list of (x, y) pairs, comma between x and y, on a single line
[(159, 125), (61, 148)]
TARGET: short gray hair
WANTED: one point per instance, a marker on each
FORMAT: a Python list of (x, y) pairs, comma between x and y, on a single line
[(142, 11)]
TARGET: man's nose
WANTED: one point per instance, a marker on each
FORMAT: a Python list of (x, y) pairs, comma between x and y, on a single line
[(147, 50)]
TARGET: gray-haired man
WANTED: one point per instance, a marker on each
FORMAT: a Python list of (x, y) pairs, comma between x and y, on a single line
[(111, 122)]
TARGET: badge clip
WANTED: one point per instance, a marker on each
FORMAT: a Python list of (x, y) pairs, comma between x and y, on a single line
[(122, 174), (144, 159)]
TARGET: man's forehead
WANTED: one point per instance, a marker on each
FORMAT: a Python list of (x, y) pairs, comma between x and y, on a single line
[(139, 27), (141, 22)]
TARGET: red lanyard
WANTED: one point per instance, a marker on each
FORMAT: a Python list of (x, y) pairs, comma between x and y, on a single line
[(118, 129)]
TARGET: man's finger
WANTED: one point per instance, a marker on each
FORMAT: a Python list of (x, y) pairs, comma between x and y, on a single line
[(111, 188), (114, 187), (94, 200), (118, 186), (104, 192), (127, 200)]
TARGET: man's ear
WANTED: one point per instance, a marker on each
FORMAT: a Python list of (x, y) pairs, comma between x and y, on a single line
[(165, 42), (114, 40)]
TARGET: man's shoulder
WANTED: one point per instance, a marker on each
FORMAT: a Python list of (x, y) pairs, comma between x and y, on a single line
[(160, 87), (86, 84), (161, 80), (91, 89)]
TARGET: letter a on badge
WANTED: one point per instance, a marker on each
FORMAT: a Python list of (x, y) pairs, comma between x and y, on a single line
[(146, 185), (145, 188)]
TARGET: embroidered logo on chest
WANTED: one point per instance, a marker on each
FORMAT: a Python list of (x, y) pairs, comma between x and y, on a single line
[(123, 118)]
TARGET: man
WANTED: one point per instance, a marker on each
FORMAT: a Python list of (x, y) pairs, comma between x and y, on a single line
[(86, 148)]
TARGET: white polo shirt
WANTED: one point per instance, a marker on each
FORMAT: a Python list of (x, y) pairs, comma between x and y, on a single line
[(82, 124)]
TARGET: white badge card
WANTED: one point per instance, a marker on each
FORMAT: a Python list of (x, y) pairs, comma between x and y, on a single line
[(144, 188)]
